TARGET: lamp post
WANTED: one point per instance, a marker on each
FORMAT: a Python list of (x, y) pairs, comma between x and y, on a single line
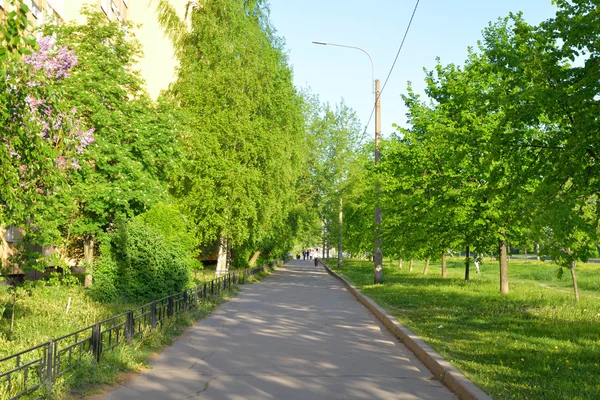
[(377, 251)]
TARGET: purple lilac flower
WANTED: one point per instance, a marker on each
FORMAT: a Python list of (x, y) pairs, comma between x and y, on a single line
[(61, 162), (54, 65), (75, 164), (85, 139)]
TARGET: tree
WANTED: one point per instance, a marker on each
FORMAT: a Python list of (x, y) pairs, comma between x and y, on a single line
[(551, 103), (242, 121)]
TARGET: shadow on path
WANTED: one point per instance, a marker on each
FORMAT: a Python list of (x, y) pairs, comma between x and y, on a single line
[(297, 334)]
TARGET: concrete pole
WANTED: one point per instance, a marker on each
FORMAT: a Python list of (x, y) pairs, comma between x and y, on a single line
[(340, 227), (378, 252)]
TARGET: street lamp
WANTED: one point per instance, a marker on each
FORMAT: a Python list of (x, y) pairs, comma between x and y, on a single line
[(357, 48), (377, 253)]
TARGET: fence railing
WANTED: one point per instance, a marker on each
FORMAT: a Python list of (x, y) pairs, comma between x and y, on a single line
[(38, 367)]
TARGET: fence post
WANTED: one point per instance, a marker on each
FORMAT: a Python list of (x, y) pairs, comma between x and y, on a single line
[(129, 326), (219, 280), (96, 341), (170, 306), (195, 296), (212, 287), (204, 292), (185, 300), (152, 315), (50, 365), (228, 281)]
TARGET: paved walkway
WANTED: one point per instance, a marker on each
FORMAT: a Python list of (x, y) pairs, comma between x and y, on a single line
[(298, 334)]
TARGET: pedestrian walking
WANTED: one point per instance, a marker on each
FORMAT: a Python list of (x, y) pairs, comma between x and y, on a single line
[(316, 261)]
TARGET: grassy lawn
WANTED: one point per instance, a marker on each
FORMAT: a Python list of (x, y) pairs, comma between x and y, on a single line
[(41, 315), (534, 343)]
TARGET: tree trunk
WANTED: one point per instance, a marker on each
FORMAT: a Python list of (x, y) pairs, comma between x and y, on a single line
[(502, 250), (537, 251), (400, 264), (526, 260), (467, 264), (410, 265), (88, 255), (254, 258), (340, 226), (222, 258), (426, 270), (575, 289), (443, 264), (328, 246)]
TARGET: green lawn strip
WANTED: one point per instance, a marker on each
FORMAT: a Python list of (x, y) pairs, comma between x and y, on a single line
[(533, 343)]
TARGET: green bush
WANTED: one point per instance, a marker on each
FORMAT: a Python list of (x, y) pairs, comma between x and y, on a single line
[(176, 229), (139, 263)]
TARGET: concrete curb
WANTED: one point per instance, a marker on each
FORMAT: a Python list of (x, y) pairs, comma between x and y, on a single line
[(442, 369)]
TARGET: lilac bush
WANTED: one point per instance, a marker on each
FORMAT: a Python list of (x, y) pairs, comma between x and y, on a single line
[(42, 140)]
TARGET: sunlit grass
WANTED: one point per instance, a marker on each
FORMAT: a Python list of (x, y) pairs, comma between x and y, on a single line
[(534, 343)]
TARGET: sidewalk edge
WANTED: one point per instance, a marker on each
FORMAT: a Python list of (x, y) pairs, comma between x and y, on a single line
[(442, 369)]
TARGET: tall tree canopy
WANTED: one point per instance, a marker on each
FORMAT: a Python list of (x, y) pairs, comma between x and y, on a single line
[(242, 120)]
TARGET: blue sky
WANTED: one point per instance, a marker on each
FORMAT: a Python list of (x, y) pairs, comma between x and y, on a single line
[(441, 28)]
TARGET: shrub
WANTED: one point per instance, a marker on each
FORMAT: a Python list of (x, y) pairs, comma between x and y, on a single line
[(138, 263)]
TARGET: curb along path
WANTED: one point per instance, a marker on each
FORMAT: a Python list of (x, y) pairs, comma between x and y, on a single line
[(297, 334), (443, 370)]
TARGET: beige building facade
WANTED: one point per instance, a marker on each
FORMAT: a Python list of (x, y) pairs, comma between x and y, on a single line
[(158, 65)]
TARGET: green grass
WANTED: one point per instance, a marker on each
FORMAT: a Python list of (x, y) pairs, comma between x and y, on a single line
[(40, 315), (534, 343)]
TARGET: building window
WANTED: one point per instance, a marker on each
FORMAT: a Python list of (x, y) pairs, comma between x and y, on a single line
[(33, 7), (14, 234), (115, 10), (105, 5)]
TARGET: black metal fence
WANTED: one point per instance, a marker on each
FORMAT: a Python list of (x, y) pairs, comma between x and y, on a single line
[(37, 368)]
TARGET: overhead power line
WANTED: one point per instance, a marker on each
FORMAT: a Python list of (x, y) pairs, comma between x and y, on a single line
[(394, 64)]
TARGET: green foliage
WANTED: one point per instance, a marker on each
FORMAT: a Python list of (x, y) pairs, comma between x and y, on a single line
[(127, 170), (335, 166), (138, 264), (505, 148), (14, 38), (242, 121), (175, 228)]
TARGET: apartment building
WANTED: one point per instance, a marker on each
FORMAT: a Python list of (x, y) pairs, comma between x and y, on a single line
[(157, 66)]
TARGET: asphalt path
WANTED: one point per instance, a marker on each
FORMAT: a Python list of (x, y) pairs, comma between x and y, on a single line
[(297, 334)]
